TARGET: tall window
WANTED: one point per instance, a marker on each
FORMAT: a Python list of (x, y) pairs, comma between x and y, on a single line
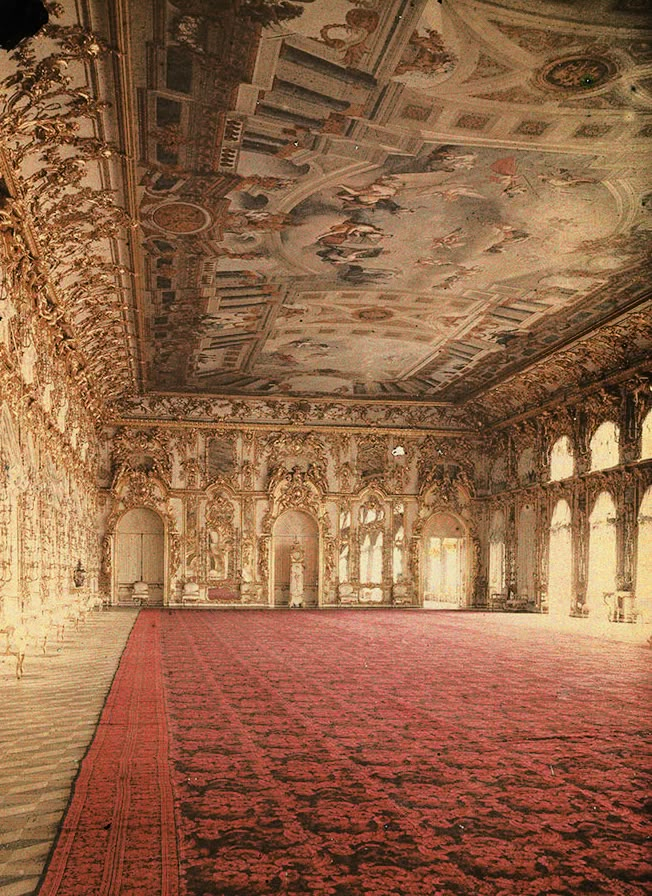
[(497, 554), (602, 555), (371, 529), (644, 558), (562, 464), (604, 446), (646, 437), (560, 563)]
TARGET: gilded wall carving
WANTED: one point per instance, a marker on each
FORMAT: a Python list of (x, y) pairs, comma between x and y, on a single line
[(365, 497), (54, 195), (48, 451), (281, 411), (625, 403)]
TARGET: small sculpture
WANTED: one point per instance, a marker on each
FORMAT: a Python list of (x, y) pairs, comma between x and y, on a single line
[(297, 569), (79, 575)]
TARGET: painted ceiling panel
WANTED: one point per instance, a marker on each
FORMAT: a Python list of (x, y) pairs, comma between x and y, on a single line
[(367, 198), (417, 168)]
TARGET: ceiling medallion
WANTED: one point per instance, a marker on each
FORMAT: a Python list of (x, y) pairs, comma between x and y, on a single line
[(181, 217), (575, 73), (373, 314)]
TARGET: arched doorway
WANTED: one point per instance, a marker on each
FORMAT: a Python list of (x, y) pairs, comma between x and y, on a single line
[(445, 562), (140, 555), (295, 542), (560, 561), (602, 555), (644, 558)]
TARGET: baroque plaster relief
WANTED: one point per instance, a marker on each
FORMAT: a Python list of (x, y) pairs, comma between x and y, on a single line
[(224, 534)]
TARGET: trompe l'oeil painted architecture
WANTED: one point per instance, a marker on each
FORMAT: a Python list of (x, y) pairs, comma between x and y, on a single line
[(338, 304)]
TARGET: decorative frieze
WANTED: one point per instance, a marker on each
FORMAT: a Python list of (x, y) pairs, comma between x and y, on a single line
[(272, 412)]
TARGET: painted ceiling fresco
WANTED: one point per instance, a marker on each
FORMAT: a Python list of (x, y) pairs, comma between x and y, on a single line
[(397, 199), (403, 197)]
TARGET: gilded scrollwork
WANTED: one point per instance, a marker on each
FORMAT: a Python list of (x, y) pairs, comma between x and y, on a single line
[(221, 538), (141, 451), (55, 217)]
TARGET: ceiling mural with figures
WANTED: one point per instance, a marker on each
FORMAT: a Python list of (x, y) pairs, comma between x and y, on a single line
[(376, 199)]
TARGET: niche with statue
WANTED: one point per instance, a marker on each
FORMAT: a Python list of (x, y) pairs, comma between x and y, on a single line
[(296, 560)]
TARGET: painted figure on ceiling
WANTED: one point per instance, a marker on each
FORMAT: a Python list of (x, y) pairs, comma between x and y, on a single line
[(426, 53), (349, 39)]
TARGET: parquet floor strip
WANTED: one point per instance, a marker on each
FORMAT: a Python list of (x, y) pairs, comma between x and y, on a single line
[(47, 720)]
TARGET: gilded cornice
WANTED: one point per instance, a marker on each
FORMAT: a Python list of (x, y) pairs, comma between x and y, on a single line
[(268, 413), (632, 375)]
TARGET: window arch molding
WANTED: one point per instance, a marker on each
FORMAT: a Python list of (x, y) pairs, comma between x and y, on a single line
[(368, 520)]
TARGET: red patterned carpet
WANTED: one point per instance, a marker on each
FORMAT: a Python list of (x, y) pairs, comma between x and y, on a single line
[(345, 753)]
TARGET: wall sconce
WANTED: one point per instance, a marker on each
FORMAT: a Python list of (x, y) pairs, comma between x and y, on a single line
[(79, 575)]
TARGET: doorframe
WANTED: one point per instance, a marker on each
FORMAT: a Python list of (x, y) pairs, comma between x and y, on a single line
[(467, 595)]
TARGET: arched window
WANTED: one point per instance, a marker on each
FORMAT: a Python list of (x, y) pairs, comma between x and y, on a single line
[(604, 446), (602, 555), (371, 532), (497, 554), (560, 562), (562, 463), (644, 558), (646, 436)]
